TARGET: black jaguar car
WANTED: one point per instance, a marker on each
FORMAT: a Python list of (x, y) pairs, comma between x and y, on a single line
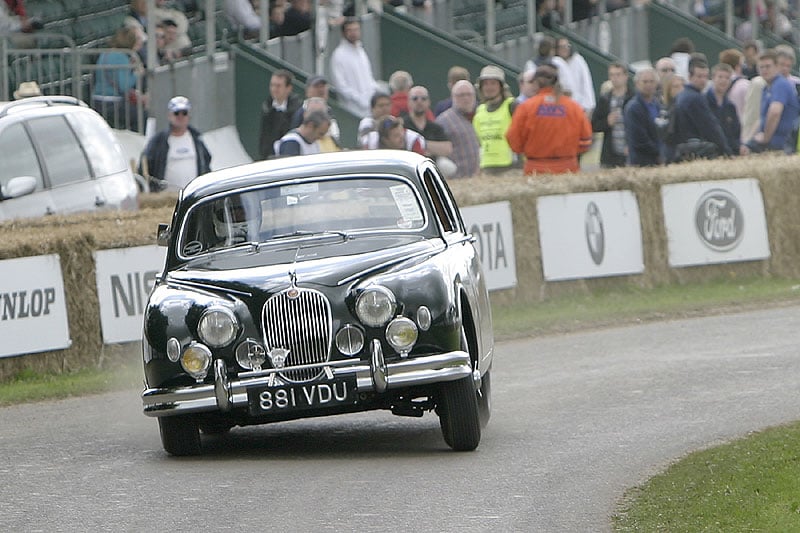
[(317, 285)]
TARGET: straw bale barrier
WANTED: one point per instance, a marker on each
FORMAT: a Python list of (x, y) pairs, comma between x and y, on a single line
[(74, 238)]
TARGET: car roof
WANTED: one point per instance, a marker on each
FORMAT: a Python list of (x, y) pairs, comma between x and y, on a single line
[(327, 164), (39, 102)]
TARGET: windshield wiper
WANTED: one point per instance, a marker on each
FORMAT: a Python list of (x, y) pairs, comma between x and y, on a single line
[(307, 233)]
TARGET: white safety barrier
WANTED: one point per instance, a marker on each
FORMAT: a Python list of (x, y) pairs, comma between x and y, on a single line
[(581, 235)]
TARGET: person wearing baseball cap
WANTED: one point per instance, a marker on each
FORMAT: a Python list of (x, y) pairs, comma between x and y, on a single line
[(176, 155), (492, 119)]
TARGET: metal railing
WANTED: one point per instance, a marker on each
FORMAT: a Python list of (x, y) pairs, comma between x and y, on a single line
[(61, 68)]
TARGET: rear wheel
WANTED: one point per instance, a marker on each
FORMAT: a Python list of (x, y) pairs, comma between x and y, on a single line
[(179, 435)]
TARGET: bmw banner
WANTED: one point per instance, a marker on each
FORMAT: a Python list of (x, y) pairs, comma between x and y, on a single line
[(711, 222), (588, 235)]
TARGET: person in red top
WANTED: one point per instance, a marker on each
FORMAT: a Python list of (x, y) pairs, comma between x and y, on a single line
[(550, 129)]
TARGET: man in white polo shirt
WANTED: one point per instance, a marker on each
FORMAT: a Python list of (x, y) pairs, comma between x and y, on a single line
[(177, 155)]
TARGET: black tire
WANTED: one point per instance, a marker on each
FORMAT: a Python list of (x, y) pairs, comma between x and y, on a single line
[(179, 435), (458, 414), (485, 399), (212, 428)]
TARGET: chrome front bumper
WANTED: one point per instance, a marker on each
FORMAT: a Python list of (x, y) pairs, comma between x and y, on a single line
[(377, 376)]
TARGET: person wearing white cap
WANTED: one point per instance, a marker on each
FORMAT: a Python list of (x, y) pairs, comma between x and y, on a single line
[(176, 155), (492, 119)]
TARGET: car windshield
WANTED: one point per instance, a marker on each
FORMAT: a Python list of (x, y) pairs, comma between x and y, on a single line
[(279, 212)]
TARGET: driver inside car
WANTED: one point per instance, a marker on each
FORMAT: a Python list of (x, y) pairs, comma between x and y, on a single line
[(236, 220)]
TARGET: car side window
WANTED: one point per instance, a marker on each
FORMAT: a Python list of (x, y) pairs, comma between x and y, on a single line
[(440, 203), (15, 140), (98, 139), (64, 158)]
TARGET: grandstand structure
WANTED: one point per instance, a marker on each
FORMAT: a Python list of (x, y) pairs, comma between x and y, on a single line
[(61, 58)]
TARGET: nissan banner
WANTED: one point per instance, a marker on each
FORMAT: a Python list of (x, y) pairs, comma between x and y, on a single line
[(588, 235), (125, 278), (33, 317), (711, 222)]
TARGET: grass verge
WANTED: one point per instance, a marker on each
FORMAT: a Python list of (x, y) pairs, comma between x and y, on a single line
[(748, 485), (634, 305), (30, 386)]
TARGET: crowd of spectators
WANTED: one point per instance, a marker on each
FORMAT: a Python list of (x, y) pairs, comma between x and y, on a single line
[(683, 107)]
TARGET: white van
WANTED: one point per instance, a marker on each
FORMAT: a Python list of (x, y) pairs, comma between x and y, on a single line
[(59, 156)]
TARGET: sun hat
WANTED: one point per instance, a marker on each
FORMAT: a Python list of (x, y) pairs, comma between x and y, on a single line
[(27, 89), (492, 72)]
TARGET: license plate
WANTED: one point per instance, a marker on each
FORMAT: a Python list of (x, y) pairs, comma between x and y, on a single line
[(283, 398)]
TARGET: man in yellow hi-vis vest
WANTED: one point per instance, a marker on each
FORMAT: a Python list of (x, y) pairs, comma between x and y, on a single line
[(492, 120)]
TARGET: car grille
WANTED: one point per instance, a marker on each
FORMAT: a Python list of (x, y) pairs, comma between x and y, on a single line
[(299, 320)]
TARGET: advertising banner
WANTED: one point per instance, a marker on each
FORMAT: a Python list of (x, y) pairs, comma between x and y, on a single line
[(494, 234), (33, 309), (589, 235), (715, 222), (125, 278)]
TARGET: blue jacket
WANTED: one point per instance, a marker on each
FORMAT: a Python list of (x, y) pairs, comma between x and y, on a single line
[(695, 120), (156, 153), (728, 119), (641, 134), (116, 80)]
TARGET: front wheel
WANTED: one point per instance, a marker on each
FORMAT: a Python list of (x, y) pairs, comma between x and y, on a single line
[(179, 435), (458, 414), (485, 398)]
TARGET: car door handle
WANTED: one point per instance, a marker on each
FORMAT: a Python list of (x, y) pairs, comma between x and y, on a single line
[(99, 202)]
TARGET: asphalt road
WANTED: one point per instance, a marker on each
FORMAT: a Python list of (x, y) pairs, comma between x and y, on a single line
[(577, 419)]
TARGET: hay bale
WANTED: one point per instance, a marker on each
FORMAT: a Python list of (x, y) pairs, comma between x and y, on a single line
[(75, 237), (779, 187)]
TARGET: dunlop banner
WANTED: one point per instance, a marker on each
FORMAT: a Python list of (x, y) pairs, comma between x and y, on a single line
[(33, 310)]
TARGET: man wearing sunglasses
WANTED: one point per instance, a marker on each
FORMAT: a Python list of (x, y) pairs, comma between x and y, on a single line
[(417, 119), (176, 155)]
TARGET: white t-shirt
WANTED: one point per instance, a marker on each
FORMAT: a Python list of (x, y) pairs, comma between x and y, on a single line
[(306, 148), (181, 161)]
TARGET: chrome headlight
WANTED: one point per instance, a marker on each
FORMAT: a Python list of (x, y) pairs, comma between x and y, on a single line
[(218, 326), (251, 354), (349, 340), (196, 360), (401, 333), (424, 318), (173, 349), (375, 306)]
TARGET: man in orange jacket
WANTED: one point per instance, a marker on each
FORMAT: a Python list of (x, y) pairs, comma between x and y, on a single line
[(550, 128)]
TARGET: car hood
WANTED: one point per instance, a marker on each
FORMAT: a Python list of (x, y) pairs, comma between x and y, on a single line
[(330, 265)]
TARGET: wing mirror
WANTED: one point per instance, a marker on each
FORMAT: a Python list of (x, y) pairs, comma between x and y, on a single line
[(19, 186), (162, 235)]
